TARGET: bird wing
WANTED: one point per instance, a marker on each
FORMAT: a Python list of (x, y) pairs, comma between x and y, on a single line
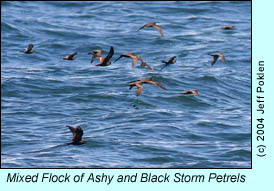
[(71, 129), (166, 64), (145, 64), (119, 58), (142, 27), (147, 25), (156, 84), (70, 57), (195, 92), (222, 57), (93, 58), (139, 88), (159, 29), (128, 55), (134, 62), (215, 57), (108, 57)]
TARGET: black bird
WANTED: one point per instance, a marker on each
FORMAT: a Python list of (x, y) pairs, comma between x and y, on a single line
[(70, 57), (216, 56), (172, 60), (105, 61), (194, 92), (29, 49), (227, 27), (77, 136)]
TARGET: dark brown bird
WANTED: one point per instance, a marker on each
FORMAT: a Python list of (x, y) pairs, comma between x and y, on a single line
[(139, 84), (105, 61), (153, 24), (95, 54), (194, 92), (172, 60), (216, 56), (227, 27), (29, 49), (70, 57), (135, 59), (77, 135)]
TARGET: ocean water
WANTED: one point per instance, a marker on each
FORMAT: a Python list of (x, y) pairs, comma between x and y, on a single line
[(41, 93)]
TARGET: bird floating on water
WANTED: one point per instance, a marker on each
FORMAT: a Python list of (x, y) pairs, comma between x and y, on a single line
[(135, 59), (71, 56), (77, 135), (172, 60), (29, 49), (216, 56), (139, 84), (153, 24)]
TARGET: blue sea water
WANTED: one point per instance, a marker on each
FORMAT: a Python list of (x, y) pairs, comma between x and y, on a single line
[(41, 93)]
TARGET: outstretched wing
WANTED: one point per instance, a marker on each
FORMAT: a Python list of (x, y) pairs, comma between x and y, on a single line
[(164, 66), (134, 62), (93, 58), (159, 29), (71, 129), (127, 55), (147, 25), (119, 57), (139, 88), (215, 57), (141, 27), (70, 57), (145, 64), (156, 84), (110, 54), (222, 57), (195, 92)]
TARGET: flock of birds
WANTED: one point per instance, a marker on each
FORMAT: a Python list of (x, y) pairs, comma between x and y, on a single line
[(105, 61)]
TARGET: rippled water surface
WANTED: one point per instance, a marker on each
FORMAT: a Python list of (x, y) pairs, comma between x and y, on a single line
[(41, 93)]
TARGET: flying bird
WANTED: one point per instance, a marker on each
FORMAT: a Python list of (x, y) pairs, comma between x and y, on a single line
[(77, 135), (135, 59), (139, 84), (227, 27), (105, 61), (216, 56), (95, 54), (172, 60), (153, 24), (194, 92), (29, 49), (71, 56)]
